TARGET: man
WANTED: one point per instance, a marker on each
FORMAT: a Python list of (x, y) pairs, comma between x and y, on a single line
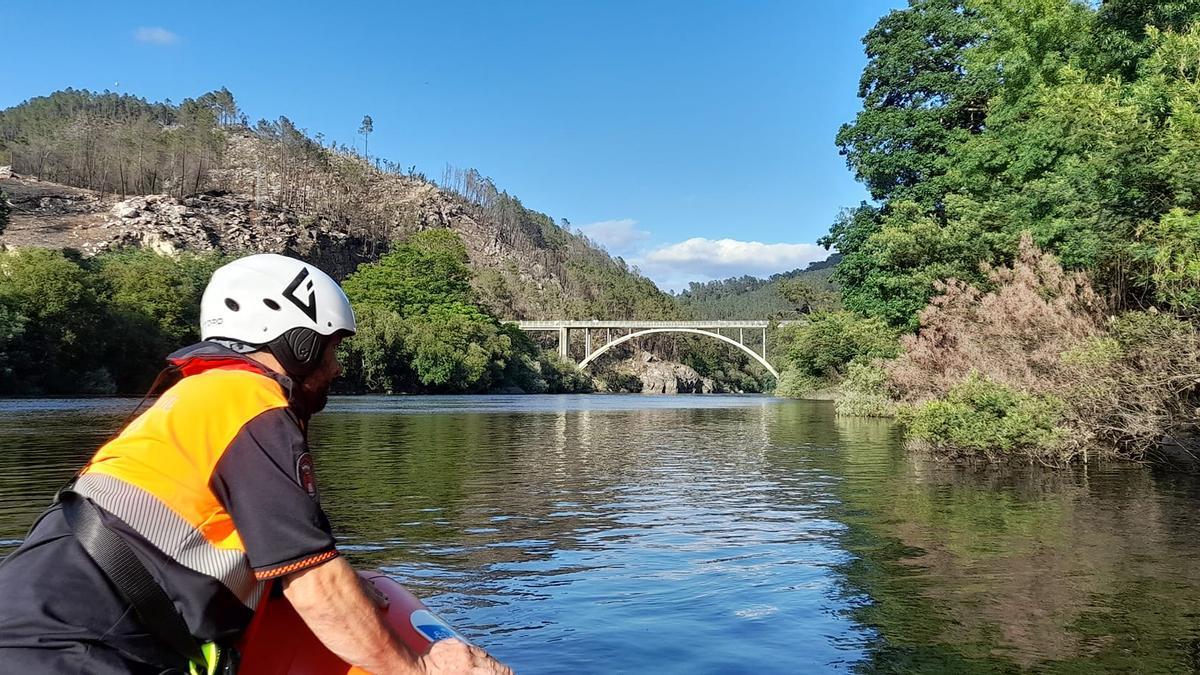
[(169, 537)]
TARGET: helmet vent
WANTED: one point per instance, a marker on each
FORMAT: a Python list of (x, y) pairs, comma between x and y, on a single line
[(271, 303), (232, 304)]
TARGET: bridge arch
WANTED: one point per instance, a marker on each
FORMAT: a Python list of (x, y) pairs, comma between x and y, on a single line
[(695, 331)]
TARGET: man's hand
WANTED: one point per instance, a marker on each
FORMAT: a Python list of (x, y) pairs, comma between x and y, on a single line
[(454, 657)]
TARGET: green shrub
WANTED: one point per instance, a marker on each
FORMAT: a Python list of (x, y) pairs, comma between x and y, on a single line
[(12, 327), (794, 383), (421, 329), (824, 346), (737, 380), (153, 304), (374, 359), (982, 419), (863, 392), (563, 377), (64, 328)]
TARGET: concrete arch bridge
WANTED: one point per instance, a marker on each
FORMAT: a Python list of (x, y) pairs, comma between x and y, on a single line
[(614, 333)]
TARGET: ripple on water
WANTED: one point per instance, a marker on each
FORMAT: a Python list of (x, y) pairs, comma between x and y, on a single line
[(718, 535)]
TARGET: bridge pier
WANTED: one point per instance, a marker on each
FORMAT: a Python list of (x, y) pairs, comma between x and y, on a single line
[(564, 339), (587, 342)]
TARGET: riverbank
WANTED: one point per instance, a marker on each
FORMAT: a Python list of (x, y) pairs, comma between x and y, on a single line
[(75, 325), (1069, 383)]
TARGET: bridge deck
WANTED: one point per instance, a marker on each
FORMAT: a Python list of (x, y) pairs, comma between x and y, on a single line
[(639, 328), (599, 323)]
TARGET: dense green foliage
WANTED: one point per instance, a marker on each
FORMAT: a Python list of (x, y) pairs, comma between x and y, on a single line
[(1033, 165), (992, 117), (70, 325), (4, 210), (153, 307), (422, 330), (795, 384), (863, 392), (819, 351), (918, 100), (827, 343)]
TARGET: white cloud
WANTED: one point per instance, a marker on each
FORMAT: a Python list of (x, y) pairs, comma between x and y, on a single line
[(698, 259), (615, 235), (155, 35)]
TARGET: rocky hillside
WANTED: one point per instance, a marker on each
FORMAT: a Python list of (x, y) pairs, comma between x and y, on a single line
[(195, 177), (50, 215)]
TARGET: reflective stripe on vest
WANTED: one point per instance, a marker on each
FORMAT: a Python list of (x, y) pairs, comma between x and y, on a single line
[(155, 474), (171, 534)]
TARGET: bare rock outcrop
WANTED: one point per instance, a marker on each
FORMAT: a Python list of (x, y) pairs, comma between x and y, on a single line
[(228, 223), (664, 377)]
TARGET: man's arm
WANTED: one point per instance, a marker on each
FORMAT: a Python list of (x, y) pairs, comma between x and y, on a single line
[(330, 599)]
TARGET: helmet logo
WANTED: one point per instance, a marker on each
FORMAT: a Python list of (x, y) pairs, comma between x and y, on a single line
[(309, 308)]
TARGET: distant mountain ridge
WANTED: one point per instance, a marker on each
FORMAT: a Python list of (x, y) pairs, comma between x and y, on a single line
[(748, 297)]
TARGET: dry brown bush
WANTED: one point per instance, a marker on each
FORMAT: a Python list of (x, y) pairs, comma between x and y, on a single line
[(1014, 335), (1113, 387)]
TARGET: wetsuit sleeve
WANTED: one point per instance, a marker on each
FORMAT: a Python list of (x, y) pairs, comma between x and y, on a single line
[(265, 481)]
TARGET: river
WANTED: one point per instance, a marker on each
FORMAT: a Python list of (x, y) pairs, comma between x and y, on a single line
[(719, 534)]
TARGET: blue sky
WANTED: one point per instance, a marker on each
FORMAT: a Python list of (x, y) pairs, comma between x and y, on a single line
[(693, 138)]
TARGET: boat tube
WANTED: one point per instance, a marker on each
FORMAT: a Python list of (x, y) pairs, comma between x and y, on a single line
[(279, 643)]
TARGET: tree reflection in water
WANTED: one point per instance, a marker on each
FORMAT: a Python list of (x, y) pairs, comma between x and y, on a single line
[(740, 533)]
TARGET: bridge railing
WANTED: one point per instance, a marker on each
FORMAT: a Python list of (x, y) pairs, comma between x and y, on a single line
[(603, 323)]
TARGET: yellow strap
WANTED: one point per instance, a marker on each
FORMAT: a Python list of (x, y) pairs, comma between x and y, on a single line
[(212, 656)]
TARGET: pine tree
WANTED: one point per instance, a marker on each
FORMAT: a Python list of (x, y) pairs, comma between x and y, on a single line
[(368, 125)]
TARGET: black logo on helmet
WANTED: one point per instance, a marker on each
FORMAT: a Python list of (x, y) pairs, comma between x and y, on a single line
[(310, 308)]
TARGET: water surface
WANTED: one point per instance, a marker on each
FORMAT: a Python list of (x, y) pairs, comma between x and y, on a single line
[(718, 534)]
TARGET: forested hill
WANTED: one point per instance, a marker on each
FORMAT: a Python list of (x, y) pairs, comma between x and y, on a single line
[(781, 296), (98, 171)]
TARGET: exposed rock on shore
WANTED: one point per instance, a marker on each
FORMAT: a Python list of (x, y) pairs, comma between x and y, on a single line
[(659, 377)]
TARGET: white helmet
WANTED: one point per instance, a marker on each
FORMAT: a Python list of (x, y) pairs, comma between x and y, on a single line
[(279, 303)]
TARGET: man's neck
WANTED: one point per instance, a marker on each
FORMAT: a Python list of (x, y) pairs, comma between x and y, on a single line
[(268, 359)]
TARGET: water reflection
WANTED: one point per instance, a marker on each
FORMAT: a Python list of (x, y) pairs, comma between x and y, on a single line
[(963, 569), (600, 539), (719, 534)]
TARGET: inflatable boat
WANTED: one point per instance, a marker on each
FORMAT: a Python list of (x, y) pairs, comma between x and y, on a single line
[(279, 643)]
